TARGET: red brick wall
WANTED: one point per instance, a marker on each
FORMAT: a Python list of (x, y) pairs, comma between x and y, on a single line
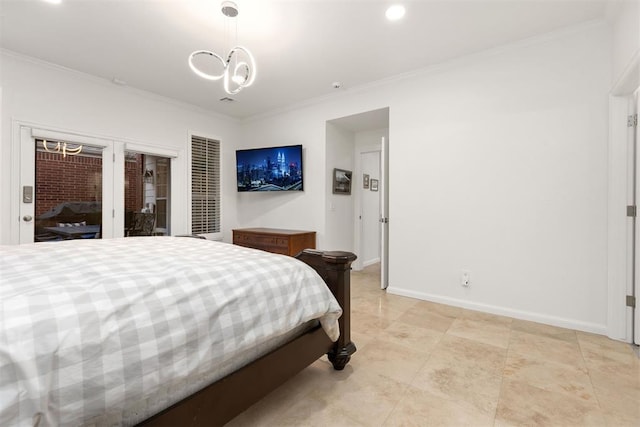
[(69, 179), (133, 186), (79, 179)]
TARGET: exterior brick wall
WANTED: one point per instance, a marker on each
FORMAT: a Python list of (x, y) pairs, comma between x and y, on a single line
[(78, 178), (133, 186), (69, 179)]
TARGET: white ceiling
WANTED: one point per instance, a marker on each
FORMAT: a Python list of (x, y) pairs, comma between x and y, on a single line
[(301, 46)]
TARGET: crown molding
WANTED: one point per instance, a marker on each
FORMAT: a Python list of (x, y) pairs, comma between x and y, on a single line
[(454, 63)]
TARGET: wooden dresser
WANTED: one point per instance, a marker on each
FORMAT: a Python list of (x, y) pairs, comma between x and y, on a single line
[(276, 240)]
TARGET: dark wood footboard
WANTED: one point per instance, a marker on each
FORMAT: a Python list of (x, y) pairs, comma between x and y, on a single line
[(334, 267), (221, 401)]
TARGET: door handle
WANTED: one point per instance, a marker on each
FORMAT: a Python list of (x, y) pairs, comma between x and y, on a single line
[(27, 218)]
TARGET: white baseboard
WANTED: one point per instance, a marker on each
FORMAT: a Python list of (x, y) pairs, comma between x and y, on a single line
[(503, 311), (370, 262)]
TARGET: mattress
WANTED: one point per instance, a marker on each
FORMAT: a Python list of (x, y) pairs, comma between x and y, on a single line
[(109, 332)]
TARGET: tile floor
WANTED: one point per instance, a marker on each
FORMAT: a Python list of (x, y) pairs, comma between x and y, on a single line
[(422, 364)]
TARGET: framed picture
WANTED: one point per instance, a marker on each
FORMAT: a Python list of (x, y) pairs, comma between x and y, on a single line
[(374, 185), (365, 181), (341, 181)]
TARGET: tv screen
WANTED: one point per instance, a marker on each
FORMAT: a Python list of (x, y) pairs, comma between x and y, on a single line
[(270, 169)]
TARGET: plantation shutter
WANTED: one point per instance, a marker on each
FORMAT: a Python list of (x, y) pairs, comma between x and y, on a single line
[(205, 185)]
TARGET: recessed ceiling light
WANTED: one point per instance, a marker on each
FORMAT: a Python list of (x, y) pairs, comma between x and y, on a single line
[(53, 1), (395, 12)]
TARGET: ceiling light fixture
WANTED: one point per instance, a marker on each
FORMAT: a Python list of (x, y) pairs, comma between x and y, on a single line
[(395, 12), (53, 1), (239, 67)]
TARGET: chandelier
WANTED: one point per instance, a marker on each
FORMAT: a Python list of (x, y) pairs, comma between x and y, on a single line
[(238, 68)]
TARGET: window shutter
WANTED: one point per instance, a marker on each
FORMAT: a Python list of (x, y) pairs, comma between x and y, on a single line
[(205, 185)]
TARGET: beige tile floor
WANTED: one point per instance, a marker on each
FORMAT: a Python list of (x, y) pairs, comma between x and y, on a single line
[(423, 364)]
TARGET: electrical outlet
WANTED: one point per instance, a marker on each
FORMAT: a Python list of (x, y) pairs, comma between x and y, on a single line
[(465, 279)]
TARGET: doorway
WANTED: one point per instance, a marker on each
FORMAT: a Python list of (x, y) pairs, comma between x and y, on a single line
[(354, 136), (623, 253), (373, 214), (370, 214)]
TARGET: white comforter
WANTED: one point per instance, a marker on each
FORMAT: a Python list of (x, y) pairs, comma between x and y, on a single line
[(111, 331)]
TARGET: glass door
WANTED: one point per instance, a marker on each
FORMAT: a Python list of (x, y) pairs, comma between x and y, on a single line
[(83, 187), (146, 194), (62, 186)]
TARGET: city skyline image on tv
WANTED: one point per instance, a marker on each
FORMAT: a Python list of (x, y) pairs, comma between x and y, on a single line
[(270, 169)]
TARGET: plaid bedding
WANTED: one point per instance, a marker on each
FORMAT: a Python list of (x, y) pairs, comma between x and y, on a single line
[(111, 331)]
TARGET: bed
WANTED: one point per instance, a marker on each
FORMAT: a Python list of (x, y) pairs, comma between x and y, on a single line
[(161, 330)]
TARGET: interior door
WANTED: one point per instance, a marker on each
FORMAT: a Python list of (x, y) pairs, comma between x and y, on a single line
[(635, 287), (384, 215)]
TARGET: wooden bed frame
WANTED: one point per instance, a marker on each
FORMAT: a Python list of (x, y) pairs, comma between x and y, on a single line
[(221, 401)]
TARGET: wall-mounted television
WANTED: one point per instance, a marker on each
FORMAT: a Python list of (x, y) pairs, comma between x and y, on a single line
[(270, 169)]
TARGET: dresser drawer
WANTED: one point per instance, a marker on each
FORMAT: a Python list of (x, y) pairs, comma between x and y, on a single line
[(257, 240), (276, 249), (286, 242)]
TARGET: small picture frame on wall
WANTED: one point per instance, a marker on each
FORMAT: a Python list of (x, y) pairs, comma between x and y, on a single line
[(374, 185), (365, 181), (341, 181)]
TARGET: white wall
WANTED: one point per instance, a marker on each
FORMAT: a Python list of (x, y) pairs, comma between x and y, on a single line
[(302, 210), (511, 168), (339, 207), (50, 96), (625, 36), (505, 153)]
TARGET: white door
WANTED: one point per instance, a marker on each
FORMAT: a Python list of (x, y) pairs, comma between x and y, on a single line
[(636, 288), (27, 186), (384, 215)]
